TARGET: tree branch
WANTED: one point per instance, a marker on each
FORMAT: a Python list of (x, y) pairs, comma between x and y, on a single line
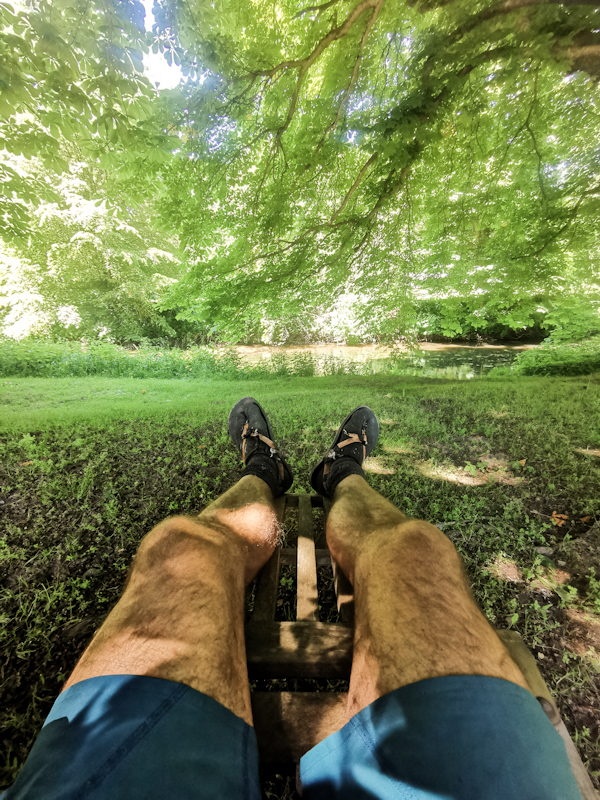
[(501, 9), (354, 186), (320, 9), (305, 64), (573, 214), (353, 77)]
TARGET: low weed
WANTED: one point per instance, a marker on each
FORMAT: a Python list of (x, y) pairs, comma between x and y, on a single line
[(88, 465)]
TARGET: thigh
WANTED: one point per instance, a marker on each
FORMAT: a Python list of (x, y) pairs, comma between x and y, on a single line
[(127, 737), (181, 616), (463, 737)]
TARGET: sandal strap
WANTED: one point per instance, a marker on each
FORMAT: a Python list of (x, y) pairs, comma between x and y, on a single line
[(254, 434), (353, 438)]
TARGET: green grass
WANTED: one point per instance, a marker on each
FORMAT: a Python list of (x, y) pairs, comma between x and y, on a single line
[(89, 465)]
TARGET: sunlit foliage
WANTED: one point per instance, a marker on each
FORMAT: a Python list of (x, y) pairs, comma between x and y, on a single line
[(437, 161)]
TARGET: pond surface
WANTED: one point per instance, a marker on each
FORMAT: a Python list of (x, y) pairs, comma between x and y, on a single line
[(431, 360)]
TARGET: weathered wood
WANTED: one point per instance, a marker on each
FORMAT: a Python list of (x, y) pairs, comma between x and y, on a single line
[(267, 584), (300, 649), (289, 558), (584, 782), (280, 504), (288, 724), (308, 596)]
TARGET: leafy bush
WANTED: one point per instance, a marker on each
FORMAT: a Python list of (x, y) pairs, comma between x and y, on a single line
[(573, 359)]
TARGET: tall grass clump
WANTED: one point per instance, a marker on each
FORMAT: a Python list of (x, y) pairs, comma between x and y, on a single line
[(581, 358), (37, 359), (40, 359)]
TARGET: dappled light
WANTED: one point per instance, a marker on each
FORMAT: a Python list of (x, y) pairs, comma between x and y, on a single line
[(455, 475), (392, 203), (585, 635), (487, 471), (505, 569), (377, 466), (588, 451), (399, 449)]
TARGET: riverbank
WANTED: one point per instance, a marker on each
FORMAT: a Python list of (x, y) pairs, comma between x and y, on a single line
[(255, 353), (509, 471)]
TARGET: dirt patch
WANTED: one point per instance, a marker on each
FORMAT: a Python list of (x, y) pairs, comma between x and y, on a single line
[(506, 570), (582, 555), (583, 634), (377, 465)]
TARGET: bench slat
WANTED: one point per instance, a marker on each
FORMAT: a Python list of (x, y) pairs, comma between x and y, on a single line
[(344, 594), (265, 600), (288, 557), (302, 649), (288, 724)]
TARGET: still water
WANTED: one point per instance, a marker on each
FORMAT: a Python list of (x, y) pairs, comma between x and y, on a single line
[(431, 360)]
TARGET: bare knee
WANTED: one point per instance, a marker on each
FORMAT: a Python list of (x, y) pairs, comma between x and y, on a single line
[(418, 543), (181, 543), (168, 534), (424, 537)]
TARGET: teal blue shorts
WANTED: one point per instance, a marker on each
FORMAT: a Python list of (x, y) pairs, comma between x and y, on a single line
[(126, 737)]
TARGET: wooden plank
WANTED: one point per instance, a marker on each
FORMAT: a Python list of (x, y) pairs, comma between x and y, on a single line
[(289, 557), (301, 649), (584, 782), (308, 597), (343, 588), (288, 724), (280, 504), (267, 584)]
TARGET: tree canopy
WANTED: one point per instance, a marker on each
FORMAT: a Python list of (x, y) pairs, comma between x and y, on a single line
[(395, 152)]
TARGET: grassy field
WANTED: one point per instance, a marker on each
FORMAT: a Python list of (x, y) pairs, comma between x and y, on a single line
[(506, 468)]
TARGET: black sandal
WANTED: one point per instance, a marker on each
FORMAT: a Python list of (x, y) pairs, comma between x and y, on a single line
[(355, 440), (251, 433)]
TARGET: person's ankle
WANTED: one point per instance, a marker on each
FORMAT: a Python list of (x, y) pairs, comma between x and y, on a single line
[(341, 469), (262, 466), (349, 483)]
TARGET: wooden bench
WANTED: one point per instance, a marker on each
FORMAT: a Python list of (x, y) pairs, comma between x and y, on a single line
[(290, 723)]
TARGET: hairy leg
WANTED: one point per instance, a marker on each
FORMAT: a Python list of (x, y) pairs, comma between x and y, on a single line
[(415, 616), (181, 615)]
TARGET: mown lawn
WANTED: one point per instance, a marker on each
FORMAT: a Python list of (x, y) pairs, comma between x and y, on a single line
[(91, 464)]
